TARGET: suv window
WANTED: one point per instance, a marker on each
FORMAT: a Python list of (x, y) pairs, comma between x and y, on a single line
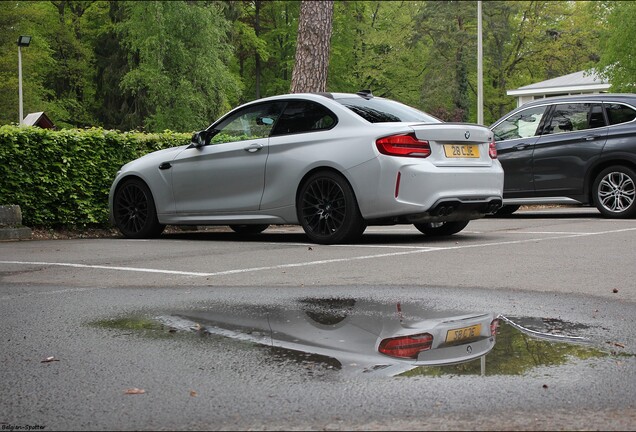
[(304, 116), (377, 110), (570, 117), (617, 113), (523, 124)]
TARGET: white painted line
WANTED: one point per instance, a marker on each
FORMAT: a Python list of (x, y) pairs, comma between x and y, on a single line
[(133, 269), (319, 262)]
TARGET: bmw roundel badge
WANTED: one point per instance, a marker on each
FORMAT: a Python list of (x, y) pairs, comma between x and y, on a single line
[(467, 134)]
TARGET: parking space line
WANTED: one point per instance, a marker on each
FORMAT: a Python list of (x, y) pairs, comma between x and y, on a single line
[(319, 262)]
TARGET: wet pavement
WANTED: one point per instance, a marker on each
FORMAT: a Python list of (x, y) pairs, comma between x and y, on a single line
[(201, 331)]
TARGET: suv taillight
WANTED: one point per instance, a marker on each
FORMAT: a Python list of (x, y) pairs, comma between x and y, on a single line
[(492, 150), (403, 145), (406, 346)]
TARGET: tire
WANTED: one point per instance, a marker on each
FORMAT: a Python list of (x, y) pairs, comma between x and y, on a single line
[(134, 211), (614, 192), (507, 210), (327, 209), (249, 229), (438, 229)]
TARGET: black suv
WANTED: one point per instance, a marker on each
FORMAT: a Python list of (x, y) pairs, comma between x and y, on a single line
[(570, 150)]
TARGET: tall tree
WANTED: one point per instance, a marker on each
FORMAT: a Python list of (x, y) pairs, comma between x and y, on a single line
[(178, 57), (618, 58), (312, 46)]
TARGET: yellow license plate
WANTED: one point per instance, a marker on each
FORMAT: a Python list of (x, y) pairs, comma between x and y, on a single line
[(461, 150), (463, 333)]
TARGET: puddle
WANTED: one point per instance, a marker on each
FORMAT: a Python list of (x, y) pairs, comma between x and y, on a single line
[(381, 338)]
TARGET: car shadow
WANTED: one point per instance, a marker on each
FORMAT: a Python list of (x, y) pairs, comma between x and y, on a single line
[(301, 238)]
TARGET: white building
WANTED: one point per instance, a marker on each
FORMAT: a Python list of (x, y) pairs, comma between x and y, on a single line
[(575, 83)]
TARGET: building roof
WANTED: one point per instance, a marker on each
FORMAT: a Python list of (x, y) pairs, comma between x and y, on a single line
[(38, 119), (581, 81)]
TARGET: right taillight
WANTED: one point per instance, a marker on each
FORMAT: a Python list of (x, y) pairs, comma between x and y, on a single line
[(403, 145), (406, 346)]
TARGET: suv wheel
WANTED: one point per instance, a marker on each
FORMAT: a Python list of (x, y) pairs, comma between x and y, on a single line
[(614, 192)]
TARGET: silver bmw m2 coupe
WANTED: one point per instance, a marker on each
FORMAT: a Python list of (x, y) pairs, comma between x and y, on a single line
[(333, 163)]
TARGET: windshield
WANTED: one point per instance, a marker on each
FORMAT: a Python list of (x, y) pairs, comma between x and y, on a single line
[(377, 110)]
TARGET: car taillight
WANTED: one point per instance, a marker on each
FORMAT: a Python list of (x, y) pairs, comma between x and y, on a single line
[(494, 327), (406, 346), (492, 150), (403, 145)]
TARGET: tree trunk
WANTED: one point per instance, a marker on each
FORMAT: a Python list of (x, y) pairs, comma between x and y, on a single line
[(312, 47)]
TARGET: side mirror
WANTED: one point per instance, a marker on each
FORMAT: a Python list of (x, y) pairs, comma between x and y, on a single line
[(264, 121), (198, 139)]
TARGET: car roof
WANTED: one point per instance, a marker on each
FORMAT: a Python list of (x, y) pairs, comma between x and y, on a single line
[(603, 97)]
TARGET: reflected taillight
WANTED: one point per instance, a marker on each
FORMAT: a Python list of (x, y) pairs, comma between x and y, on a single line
[(403, 145), (492, 150), (406, 346), (494, 327)]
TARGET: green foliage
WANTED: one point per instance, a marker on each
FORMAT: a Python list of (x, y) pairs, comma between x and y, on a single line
[(178, 54), (618, 59), (63, 177)]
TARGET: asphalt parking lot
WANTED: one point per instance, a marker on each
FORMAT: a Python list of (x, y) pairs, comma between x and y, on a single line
[(568, 250), (565, 265)]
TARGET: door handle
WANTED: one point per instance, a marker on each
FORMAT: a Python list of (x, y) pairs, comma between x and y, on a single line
[(253, 148), (591, 137), (521, 146)]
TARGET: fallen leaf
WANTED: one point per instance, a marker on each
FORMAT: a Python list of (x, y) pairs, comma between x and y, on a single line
[(134, 390), (49, 360), (193, 393), (545, 386), (615, 290)]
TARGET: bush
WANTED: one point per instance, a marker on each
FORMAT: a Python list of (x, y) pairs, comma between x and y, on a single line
[(62, 178)]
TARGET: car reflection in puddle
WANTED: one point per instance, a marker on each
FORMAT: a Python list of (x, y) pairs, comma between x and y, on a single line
[(351, 335)]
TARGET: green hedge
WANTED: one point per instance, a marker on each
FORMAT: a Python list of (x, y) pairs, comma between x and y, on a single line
[(62, 178)]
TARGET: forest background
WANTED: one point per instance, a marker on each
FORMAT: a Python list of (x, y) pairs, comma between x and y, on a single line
[(178, 65)]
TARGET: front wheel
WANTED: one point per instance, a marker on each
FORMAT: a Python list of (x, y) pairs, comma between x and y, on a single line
[(614, 193), (438, 229), (134, 211), (327, 209)]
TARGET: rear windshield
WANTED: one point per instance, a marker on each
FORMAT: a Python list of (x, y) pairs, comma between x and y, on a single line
[(378, 110)]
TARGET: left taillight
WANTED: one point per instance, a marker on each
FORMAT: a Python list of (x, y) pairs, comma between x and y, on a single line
[(407, 145), (492, 150), (406, 346)]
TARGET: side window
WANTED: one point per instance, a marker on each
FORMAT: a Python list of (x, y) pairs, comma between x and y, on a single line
[(617, 113), (304, 116), (523, 124), (568, 118), (253, 122)]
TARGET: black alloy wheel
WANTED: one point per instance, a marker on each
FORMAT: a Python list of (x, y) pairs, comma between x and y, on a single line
[(327, 209), (134, 211), (614, 192), (438, 229), (249, 229)]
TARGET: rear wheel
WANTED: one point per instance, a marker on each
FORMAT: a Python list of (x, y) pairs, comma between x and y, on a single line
[(327, 209), (437, 229), (614, 192), (134, 211), (249, 229), (507, 210)]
